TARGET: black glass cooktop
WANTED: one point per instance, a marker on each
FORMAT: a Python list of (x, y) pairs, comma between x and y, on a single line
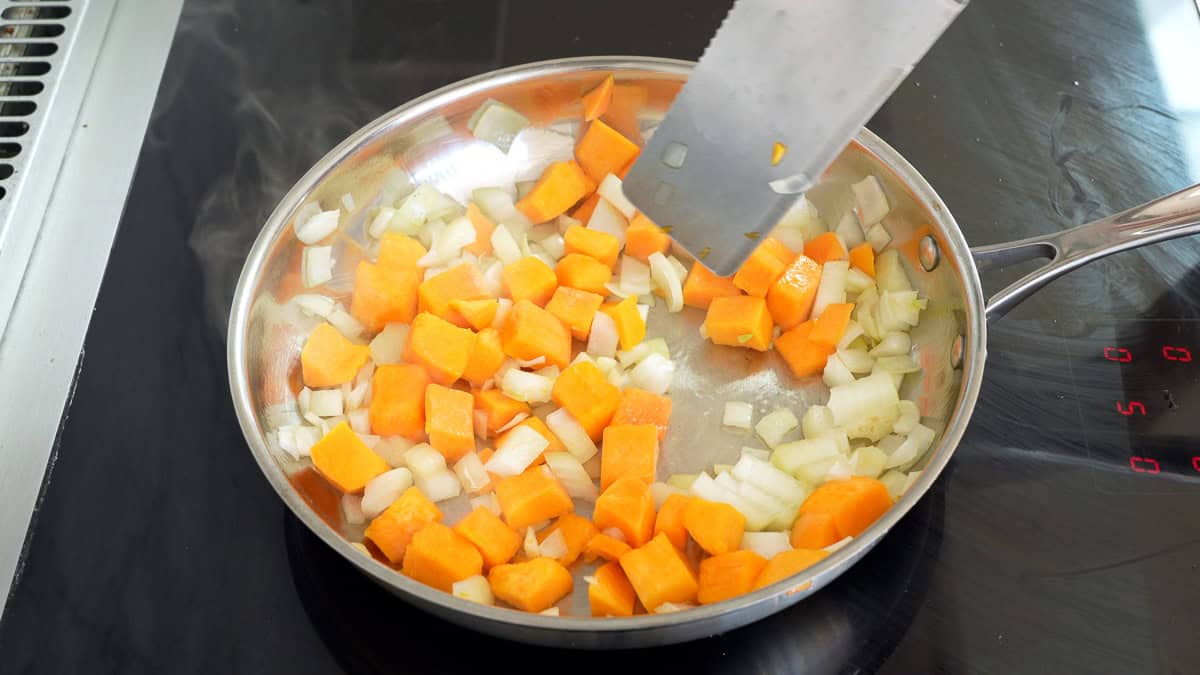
[(1063, 537)]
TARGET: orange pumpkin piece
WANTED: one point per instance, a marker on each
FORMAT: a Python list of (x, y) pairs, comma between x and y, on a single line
[(603, 150), (742, 321), (539, 426), (644, 237), (825, 247), (329, 359), (463, 282), (716, 527), (631, 327), (659, 574), (577, 532), (392, 530), (787, 563), (487, 355), (438, 556), (863, 257), (610, 593), (398, 251), (344, 460), (791, 297), (383, 295), (627, 506), (763, 267), (638, 406), (853, 503), (814, 530), (596, 101), (583, 212), (670, 519), (530, 331), (398, 400), (484, 227), (701, 286), (531, 497), (533, 586), (603, 546), (599, 245), (575, 308), (500, 409), (828, 328), (804, 357), (588, 395), (530, 279), (728, 575), (441, 347), (497, 542), (584, 272), (477, 313), (448, 421), (560, 186), (629, 450)]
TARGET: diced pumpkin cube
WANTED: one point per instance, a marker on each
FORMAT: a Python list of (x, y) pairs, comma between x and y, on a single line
[(559, 187), (643, 237), (596, 100), (831, 325), (603, 546), (532, 586), (398, 251), (701, 286), (441, 347), (463, 282), (448, 421), (670, 519), (383, 295), (329, 359), (398, 400), (814, 530), (575, 308), (638, 406), (530, 331), (763, 267), (477, 313), (804, 357), (787, 563), (728, 575), (791, 297), (530, 279), (531, 497), (500, 408), (825, 247), (742, 321), (603, 150), (438, 556), (631, 327), (853, 503), (716, 527), (611, 594), (627, 506), (583, 212), (629, 450), (659, 573), (599, 245), (539, 426), (863, 257), (584, 272), (487, 355), (344, 460), (484, 227), (497, 542), (588, 395), (392, 530), (577, 531)]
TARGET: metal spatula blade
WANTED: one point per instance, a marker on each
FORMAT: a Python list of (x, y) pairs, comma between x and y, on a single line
[(806, 75)]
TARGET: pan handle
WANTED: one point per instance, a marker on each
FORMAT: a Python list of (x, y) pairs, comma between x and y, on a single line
[(1175, 215)]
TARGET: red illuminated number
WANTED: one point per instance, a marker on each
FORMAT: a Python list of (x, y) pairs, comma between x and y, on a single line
[(1196, 463), (1131, 407), (1119, 354), (1181, 354), (1144, 465)]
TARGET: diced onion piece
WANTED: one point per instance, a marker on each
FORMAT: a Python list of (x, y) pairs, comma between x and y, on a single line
[(475, 589), (392, 449), (479, 421), (914, 446), (582, 357), (532, 548), (756, 453), (750, 501), (858, 281), (660, 491), (897, 364), (899, 310), (602, 339), (317, 227), (868, 461), (423, 205), (910, 416), (528, 387), (738, 414), (894, 343), (424, 461), (839, 470), (549, 372), (879, 238), (314, 304), (668, 607), (896, 378), (370, 440), (895, 482), (440, 486), (910, 479), (632, 357), (857, 361), (666, 278), (610, 189), (572, 434), (388, 347), (870, 203), (326, 402), (502, 308), (817, 420), (550, 611), (774, 426), (635, 276), (384, 489), (347, 325), (866, 408), (449, 242), (832, 288), (487, 501), (606, 218), (554, 246), (316, 265), (348, 202), (534, 149), (890, 274), (315, 421), (303, 399), (305, 213), (381, 221), (840, 438), (801, 223), (719, 469), (498, 205), (683, 481), (471, 473), (554, 545), (302, 438), (497, 124), (352, 511), (574, 478), (836, 372), (359, 421), (770, 479), (849, 230), (713, 490), (835, 546), (794, 456), (653, 374), (536, 361), (767, 544), (518, 451), (566, 222), (505, 246)]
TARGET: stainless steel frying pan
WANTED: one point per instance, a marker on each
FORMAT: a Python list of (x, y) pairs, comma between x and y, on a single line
[(426, 141)]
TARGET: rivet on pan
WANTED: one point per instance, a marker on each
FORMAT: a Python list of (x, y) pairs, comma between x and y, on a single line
[(929, 253), (674, 154), (956, 352)]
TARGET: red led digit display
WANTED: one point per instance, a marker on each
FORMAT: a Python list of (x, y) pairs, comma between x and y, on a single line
[(1144, 464), (1196, 463), (1181, 354), (1131, 407), (1119, 354)]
